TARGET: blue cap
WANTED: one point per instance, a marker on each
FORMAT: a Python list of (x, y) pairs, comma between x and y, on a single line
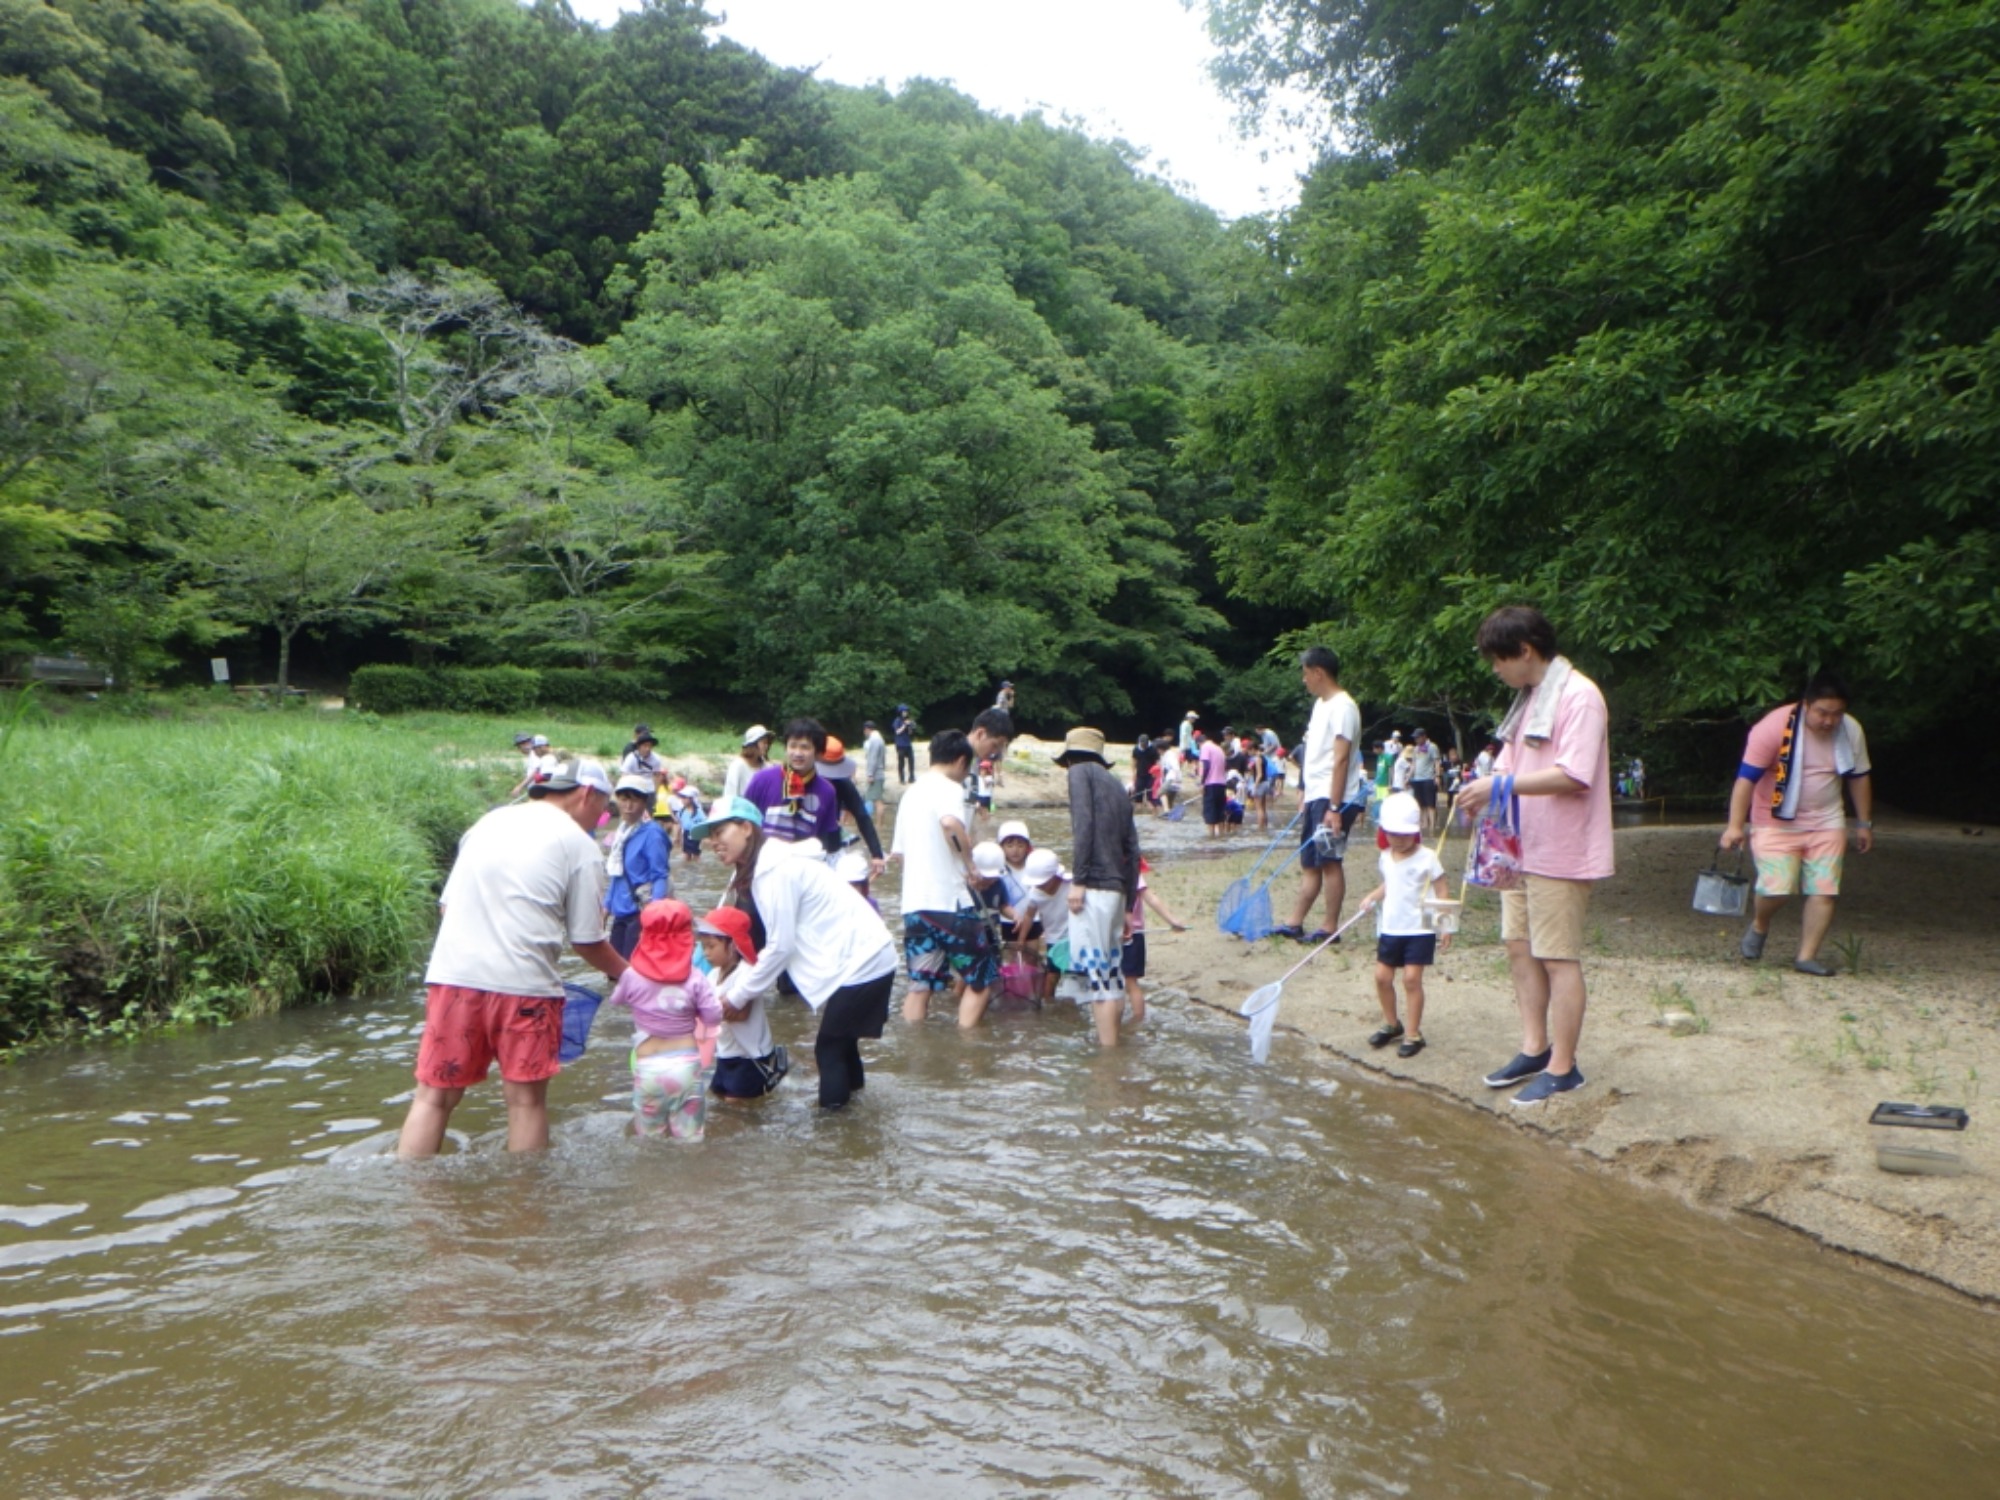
[(728, 810)]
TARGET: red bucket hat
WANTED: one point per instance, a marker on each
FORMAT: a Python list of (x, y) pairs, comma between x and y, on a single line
[(666, 942), (732, 923)]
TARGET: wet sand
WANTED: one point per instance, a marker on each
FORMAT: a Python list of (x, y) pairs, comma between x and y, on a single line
[(1757, 1100)]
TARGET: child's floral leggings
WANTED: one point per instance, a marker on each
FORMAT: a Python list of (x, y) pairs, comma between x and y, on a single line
[(669, 1095)]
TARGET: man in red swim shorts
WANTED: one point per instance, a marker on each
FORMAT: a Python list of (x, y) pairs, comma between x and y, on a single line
[(528, 881)]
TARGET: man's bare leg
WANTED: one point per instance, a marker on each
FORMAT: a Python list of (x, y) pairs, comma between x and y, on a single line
[(1565, 1011), (1531, 997), (971, 1006), (1813, 923), (527, 1115), (424, 1125)]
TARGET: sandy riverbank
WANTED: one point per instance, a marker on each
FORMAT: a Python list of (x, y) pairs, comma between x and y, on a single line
[(1760, 1106)]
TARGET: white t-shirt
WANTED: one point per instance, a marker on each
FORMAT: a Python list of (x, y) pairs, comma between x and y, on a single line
[(816, 926), (1052, 909), (1335, 718), (933, 877), (1423, 761), (527, 883), (641, 763), (1405, 883), (750, 1037), (737, 777)]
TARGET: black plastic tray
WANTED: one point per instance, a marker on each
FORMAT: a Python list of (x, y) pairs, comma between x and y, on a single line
[(1920, 1116)]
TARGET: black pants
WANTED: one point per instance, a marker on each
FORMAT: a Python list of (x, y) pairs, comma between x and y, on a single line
[(625, 934), (906, 763), (851, 1012)]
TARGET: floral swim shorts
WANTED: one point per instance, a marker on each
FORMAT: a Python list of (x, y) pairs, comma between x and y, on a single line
[(1791, 861), (938, 944)]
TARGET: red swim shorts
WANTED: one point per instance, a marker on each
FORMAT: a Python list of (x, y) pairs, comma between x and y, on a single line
[(465, 1031)]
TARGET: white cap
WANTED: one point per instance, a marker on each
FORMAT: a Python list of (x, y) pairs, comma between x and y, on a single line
[(1400, 814), (755, 733), (540, 742), (1041, 865), (643, 785), (570, 775), (1013, 828), (987, 860), (851, 865)]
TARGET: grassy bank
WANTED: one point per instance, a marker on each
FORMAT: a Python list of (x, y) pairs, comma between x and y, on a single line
[(224, 862)]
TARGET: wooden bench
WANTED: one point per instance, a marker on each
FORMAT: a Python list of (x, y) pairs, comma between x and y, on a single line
[(56, 672)]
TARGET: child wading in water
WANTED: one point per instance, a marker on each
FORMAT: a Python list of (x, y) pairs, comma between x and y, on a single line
[(748, 1065), (1409, 872), (1135, 946), (676, 1013)]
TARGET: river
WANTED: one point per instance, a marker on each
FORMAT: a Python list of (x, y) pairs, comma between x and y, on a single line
[(1016, 1266)]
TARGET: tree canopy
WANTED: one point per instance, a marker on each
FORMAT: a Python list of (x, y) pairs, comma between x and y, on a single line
[(1678, 319)]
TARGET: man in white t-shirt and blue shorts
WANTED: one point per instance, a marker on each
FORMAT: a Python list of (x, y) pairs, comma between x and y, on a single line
[(1334, 793)]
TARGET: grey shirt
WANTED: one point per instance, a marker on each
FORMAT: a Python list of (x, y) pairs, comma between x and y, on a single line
[(872, 753), (1105, 856)]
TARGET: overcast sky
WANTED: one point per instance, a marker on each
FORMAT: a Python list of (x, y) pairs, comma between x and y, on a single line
[(1127, 68)]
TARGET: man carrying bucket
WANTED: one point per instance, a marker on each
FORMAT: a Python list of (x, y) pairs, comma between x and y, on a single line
[(528, 880), (1555, 748), (1795, 764), (1333, 793)]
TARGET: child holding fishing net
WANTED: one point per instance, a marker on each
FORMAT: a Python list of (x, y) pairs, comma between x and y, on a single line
[(1404, 944)]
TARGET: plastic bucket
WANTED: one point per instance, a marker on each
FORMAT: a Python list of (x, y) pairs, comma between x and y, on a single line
[(1329, 843), (1722, 893), (1441, 916)]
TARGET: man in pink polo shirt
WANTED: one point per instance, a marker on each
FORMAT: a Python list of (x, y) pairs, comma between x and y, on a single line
[(1555, 747), (1214, 784)]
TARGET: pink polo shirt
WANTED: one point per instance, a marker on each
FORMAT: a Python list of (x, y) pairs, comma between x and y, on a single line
[(1568, 836), (1214, 764)]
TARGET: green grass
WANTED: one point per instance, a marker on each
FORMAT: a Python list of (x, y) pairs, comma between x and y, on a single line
[(224, 862)]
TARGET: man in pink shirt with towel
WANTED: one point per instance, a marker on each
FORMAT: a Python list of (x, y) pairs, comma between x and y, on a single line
[(1555, 746)]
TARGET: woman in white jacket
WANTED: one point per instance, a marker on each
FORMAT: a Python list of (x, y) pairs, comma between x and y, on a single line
[(817, 929)]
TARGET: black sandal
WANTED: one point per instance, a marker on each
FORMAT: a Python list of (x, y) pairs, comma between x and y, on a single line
[(1411, 1047), (1386, 1035)]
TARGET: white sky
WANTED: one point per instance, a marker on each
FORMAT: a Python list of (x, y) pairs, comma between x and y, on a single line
[(1134, 69)]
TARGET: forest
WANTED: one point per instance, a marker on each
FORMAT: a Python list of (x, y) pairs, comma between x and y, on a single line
[(465, 332)]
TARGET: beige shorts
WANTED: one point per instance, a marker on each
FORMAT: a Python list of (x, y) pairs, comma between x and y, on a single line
[(1549, 914)]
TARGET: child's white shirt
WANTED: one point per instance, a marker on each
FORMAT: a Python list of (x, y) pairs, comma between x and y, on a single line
[(750, 1037), (1405, 883)]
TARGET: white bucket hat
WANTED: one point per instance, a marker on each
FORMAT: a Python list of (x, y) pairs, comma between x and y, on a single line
[(1400, 814)]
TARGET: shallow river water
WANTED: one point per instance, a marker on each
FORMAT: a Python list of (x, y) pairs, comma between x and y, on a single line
[(1015, 1266)]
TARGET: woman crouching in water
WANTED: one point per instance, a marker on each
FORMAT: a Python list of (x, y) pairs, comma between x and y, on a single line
[(817, 929)]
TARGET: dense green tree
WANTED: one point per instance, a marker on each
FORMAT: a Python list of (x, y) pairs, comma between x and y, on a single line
[(870, 419), (1705, 367)]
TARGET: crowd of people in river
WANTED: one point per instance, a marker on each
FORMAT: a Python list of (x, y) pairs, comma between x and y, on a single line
[(985, 916)]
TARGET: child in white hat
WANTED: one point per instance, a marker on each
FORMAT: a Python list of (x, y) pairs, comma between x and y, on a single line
[(1410, 870)]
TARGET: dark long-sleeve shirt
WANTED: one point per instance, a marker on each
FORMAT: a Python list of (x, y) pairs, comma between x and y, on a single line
[(1106, 839)]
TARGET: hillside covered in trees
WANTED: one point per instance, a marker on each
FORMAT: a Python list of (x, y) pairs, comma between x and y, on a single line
[(463, 331)]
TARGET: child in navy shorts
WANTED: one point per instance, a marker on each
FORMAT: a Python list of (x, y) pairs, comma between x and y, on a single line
[(1410, 871)]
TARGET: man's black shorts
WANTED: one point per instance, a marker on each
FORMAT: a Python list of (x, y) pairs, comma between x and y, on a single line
[(1426, 793), (1214, 803), (1309, 856)]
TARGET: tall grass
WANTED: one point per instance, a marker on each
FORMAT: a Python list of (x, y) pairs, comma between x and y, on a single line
[(196, 871)]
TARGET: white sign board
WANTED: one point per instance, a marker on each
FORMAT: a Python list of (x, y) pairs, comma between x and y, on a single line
[(219, 665)]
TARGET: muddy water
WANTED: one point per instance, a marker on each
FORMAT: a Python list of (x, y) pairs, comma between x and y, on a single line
[(1015, 1266)]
